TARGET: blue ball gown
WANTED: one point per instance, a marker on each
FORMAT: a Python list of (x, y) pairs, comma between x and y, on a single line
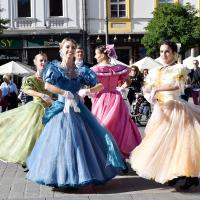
[(74, 149)]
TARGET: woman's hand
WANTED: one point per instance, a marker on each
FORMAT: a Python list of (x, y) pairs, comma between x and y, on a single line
[(68, 95), (46, 98), (84, 92)]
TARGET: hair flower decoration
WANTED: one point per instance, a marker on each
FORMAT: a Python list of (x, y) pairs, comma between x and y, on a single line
[(111, 51)]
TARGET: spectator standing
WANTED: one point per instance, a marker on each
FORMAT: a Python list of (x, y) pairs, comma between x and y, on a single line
[(9, 94), (195, 84), (135, 82), (79, 62)]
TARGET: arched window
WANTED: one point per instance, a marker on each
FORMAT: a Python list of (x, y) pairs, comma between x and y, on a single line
[(56, 7), (24, 8)]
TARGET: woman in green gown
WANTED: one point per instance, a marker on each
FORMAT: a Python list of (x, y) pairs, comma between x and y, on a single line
[(20, 127)]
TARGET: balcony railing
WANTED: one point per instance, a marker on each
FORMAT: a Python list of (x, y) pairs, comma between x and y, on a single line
[(24, 23), (56, 22), (51, 22)]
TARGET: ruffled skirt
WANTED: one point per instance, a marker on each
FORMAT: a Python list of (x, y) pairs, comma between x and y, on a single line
[(74, 150), (171, 146), (19, 130), (112, 112)]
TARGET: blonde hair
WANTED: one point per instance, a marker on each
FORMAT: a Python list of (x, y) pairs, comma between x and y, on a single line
[(67, 40), (7, 76), (39, 54)]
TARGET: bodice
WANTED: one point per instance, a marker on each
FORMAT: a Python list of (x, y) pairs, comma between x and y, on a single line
[(57, 76), (32, 83), (172, 76), (110, 75)]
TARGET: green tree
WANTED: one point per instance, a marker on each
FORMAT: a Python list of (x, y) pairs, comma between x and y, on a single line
[(175, 22), (3, 22)]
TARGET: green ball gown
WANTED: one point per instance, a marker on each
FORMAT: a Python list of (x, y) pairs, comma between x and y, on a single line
[(20, 127)]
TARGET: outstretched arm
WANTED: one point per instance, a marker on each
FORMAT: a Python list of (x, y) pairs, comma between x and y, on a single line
[(43, 96), (166, 88), (97, 88), (53, 89)]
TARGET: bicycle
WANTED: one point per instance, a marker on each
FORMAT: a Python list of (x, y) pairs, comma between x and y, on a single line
[(140, 109)]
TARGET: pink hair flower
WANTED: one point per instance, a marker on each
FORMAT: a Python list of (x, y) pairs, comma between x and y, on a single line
[(110, 50)]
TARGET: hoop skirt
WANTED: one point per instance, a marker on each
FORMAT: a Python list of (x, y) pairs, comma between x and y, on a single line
[(111, 110), (74, 149), (20, 127), (171, 146)]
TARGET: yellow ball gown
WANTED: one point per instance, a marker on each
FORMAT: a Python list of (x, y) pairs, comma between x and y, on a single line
[(171, 145)]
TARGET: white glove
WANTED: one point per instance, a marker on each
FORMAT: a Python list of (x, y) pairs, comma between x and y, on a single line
[(68, 95), (70, 103), (84, 92)]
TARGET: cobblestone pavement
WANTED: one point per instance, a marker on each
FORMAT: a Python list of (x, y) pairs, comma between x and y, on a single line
[(14, 185)]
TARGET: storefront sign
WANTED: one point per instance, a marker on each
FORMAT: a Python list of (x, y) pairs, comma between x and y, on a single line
[(7, 57), (43, 43), (11, 43)]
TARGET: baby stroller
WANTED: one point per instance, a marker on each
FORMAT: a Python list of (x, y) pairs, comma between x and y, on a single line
[(141, 110)]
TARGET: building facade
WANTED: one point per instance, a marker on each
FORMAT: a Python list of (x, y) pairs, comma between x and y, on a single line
[(39, 25)]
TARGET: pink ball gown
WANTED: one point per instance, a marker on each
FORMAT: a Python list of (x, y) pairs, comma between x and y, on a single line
[(110, 109)]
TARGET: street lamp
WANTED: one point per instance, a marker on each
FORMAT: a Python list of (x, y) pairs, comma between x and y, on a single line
[(106, 22)]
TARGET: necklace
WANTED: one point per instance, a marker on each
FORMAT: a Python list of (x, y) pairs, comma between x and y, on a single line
[(71, 72)]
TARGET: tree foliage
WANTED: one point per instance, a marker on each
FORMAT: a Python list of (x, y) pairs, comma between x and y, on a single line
[(175, 22), (3, 22)]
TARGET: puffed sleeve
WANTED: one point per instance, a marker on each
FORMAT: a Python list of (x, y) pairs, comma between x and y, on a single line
[(151, 79), (28, 84), (88, 77), (124, 74), (51, 74), (181, 73), (181, 77)]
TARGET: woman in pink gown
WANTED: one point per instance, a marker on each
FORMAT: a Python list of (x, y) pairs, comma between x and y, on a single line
[(108, 105)]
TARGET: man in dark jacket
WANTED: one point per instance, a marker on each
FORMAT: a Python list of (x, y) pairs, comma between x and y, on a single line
[(195, 84), (79, 61)]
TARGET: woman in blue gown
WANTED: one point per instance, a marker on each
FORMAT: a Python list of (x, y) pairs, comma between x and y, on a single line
[(73, 149)]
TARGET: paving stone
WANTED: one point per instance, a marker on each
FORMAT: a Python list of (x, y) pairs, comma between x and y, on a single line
[(111, 197)]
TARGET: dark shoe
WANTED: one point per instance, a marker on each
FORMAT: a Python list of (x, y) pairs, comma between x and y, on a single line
[(26, 170), (173, 181), (189, 182), (125, 170), (24, 165)]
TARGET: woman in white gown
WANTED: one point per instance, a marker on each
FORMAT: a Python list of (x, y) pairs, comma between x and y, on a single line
[(170, 149)]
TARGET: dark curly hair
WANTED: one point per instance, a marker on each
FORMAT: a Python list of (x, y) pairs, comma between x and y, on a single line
[(171, 44)]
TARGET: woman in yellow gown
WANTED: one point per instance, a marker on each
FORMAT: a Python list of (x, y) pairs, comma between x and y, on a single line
[(170, 149), (20, 127)]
